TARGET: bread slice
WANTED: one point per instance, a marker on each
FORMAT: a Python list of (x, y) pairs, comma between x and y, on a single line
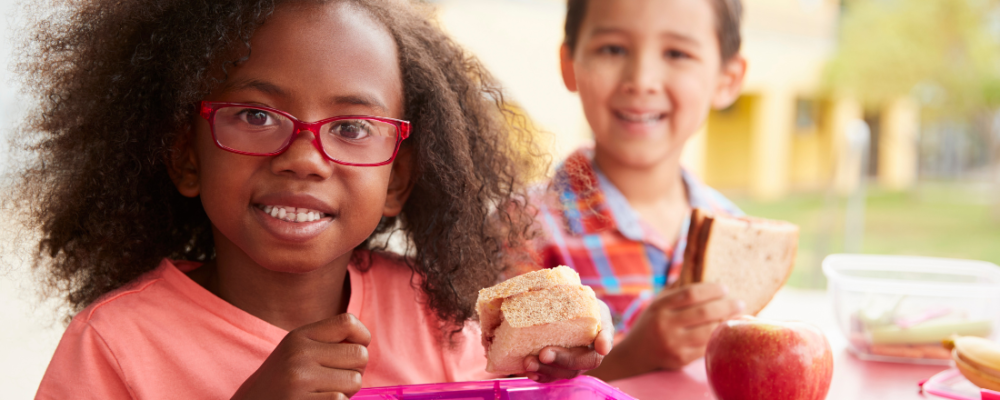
[(753, 257), (523, 315)]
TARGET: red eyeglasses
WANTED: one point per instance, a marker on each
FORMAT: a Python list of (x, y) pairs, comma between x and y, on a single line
[(356, 140)]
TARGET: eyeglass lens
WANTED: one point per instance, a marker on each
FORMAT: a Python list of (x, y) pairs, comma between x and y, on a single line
[(258, 131)]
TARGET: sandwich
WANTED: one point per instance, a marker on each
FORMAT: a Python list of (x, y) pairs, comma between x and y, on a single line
[(523, 315), (753, 257)]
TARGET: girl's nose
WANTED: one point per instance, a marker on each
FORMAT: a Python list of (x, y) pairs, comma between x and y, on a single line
[(303, 158), (645, 73)]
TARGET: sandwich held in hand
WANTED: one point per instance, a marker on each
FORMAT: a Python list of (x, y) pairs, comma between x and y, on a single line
[(753, 257), (525, 314)]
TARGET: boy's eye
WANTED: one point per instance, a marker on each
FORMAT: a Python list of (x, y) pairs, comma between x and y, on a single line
[(676, 54), (611, 49), (353, 129)]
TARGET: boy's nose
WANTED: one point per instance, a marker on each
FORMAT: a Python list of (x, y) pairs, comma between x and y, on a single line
[(644, 74), (303, 158)]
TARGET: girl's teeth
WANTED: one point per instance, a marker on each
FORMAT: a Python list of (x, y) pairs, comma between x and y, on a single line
[(292, 214)]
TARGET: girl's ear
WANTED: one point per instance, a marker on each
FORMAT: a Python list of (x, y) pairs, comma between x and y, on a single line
[(182, 165), (400, 183), (730, 82), (566, 65)]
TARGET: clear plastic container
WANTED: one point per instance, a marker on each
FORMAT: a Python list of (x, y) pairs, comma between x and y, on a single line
[(579, 388), (899, 309)]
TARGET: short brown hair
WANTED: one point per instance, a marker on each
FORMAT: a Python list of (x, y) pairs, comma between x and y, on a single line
[(727, 17)]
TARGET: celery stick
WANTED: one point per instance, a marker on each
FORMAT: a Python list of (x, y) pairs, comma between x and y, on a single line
[(929, 332)]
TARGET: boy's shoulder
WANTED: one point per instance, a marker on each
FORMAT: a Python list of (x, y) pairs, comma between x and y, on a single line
[(706, 197)]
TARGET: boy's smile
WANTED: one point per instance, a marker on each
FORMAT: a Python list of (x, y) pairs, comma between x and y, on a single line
[(298, 211), (647, 72)]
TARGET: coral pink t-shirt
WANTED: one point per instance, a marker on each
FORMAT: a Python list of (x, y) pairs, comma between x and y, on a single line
[(165, 336)]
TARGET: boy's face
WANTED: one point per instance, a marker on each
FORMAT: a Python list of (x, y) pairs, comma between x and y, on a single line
[(313, 62), (648, 71)]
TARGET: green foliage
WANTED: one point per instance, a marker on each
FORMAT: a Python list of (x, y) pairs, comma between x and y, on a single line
[(935, 219), (945, 53)]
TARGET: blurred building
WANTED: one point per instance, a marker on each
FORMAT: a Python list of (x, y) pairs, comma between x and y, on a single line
[(783, 134)]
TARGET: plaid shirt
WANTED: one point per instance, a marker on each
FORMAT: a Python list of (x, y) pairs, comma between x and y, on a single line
[(589, 226)]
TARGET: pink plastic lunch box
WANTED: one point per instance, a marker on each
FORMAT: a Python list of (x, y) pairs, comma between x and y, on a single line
[(579, 388)]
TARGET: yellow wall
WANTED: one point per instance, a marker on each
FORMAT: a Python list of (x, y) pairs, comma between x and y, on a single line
[(727, 145), (812, 151)]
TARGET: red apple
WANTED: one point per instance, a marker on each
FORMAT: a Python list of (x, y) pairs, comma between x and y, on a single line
[(749, 358)]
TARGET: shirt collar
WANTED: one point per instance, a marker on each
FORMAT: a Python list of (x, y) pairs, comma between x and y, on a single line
[(578, 175)]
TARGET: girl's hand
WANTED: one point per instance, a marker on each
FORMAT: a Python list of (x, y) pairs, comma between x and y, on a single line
[(324, 359), (672, 332), (553, 362)]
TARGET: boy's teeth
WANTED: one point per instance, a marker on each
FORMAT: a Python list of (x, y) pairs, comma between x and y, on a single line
[(643, 118), (292, 214)]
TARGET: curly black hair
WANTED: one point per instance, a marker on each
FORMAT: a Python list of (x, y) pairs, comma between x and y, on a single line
[(117, 82)]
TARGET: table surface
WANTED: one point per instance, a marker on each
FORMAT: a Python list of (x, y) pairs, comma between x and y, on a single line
[(853, 379)]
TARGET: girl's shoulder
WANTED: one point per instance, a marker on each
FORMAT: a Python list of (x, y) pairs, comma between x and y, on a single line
[(132, 298)]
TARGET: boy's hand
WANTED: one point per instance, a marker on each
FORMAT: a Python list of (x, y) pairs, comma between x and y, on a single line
[(672, 332), (324, 358), (553, 362)]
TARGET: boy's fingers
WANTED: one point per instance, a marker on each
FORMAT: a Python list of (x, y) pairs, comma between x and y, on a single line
[(712, 311), (691, 295), (606, 337), (575, 358), (340, 328), (698, 336)]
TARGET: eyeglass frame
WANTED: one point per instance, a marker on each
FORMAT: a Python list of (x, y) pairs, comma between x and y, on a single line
[(209, 108)]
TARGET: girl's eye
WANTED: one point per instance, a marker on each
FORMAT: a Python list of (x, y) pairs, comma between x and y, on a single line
[(611, 49), (676, 54), (256, 117), (353, 129)]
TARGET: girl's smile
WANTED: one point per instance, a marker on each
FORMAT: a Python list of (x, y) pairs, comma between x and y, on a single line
[(294, 217)]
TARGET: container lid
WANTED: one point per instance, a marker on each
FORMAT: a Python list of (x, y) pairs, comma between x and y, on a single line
[(579, 388), (909, 274)]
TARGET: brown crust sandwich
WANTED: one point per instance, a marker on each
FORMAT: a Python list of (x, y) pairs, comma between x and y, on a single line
[(524, 314), (753, 257)]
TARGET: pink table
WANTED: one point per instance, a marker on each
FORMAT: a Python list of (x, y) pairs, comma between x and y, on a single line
[(853, 379)]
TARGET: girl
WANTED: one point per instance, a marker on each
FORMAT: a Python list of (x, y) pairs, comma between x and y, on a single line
[(647, 72), (209, 178)]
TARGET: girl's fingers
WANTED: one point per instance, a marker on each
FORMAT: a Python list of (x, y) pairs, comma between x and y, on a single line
[(346, 356), (575, 358), (340, 328), (327, 396), (548, 373), (606, 337), (335, 381)]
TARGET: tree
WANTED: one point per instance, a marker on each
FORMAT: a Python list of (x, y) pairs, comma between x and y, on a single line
[(944, 53)]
